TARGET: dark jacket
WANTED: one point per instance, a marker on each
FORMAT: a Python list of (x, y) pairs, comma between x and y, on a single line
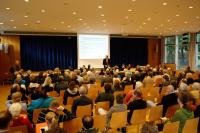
[(134, 105), (81, 101), (91, 130), (168, 100), (105, 97)]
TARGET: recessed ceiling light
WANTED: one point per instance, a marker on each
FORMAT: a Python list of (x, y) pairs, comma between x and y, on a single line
[(102, 15), (185, 22), (11, 20), (26, 16), (130, 10), (100, 6), (7, 8), (43, 11), (26, 0), (14, 27), (149, 19), (62, 22), (190, 7), (80, 19), (164, 3), (1, 23), (38, 22), (168, 20), (144, 23), (126, 17), (177, 15), (74, 13), (25, 24), (104, 20), (134, 0), (69, 26), (197, 17)]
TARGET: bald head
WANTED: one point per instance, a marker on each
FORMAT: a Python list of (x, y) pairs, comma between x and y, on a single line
[(87, 122), (170, 89)]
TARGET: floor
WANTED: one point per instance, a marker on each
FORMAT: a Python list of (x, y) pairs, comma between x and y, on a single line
[(4, 92)]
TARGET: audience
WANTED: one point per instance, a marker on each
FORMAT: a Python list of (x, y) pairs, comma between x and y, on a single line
[(88, 123), (4, 121), (149, 127), (82, 100)]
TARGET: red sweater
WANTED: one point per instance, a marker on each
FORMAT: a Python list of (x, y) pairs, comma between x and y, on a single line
[(22, 120)]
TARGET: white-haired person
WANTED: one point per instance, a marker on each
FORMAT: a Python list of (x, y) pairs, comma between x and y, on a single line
[(16, 98), (82, 100), (19, 119), (48, 84)]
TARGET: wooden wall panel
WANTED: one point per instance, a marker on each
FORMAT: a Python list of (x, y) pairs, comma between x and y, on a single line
[(154, 52), (8, 59)]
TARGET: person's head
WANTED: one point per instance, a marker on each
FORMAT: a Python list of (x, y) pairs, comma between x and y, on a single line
[(87, 121), (5, 118), (138, 85), (107, 87), (43, 91), (183, 86), (82, 91), (16, 97), (15, 109), (119, 99), (196, 86), (170, 89), (185, 100), (47, 80), (52, 120), (54, 105), (72, 85), (16, 87), (137, 93), (106, 56)]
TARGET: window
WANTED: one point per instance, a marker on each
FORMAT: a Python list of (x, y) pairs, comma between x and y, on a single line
[(198, 50), (170, 48)]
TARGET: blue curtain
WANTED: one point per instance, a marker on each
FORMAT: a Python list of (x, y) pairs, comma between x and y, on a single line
[(128, 51), (47, 52)]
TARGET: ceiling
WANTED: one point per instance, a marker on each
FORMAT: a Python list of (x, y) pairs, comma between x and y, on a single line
[(135, 17)]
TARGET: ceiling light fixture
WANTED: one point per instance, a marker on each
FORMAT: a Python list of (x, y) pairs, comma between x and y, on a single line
[(43, 11), (80, 19), (130, 10), (100, 6), (164, 3), (26, 0), (168, 20), (185, 22), (7, 8), (134, 0), (11, 20), (62, 22), (26, 16), (74, 13), (25, 24), (197, 17), (102, 15), (38, 22), (69, 26), (149, 19), (1, 23), (177, 15), (190, 7), (144, 23), (104, 20), (14, 27), (126, 17)]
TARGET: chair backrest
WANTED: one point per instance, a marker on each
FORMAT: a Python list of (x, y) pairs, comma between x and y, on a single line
[(118, 120), (139, 116), (92, 95), (104, 105), (191, 125), (36, 113), (171, 127), (84, 110), (62, 92), (118, 92), (100, 121), (70, 100), (127, 89), (72, 126), (155, 113), (18, 129), (52, 94), (171, 110), (39, 126)]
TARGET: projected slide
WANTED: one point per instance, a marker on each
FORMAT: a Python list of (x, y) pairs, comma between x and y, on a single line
[(92, 49)]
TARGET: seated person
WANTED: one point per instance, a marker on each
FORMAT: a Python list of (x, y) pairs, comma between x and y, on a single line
[(149, 127), (4, 121), (72, 91), (16, 98), (117, 86), (43, 102), (48, 84), (19, 119), (168, 100), (119, 107), (52, 122), (82, 100), (136, 103), (106, 96), (55, 107), (88, 123)]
